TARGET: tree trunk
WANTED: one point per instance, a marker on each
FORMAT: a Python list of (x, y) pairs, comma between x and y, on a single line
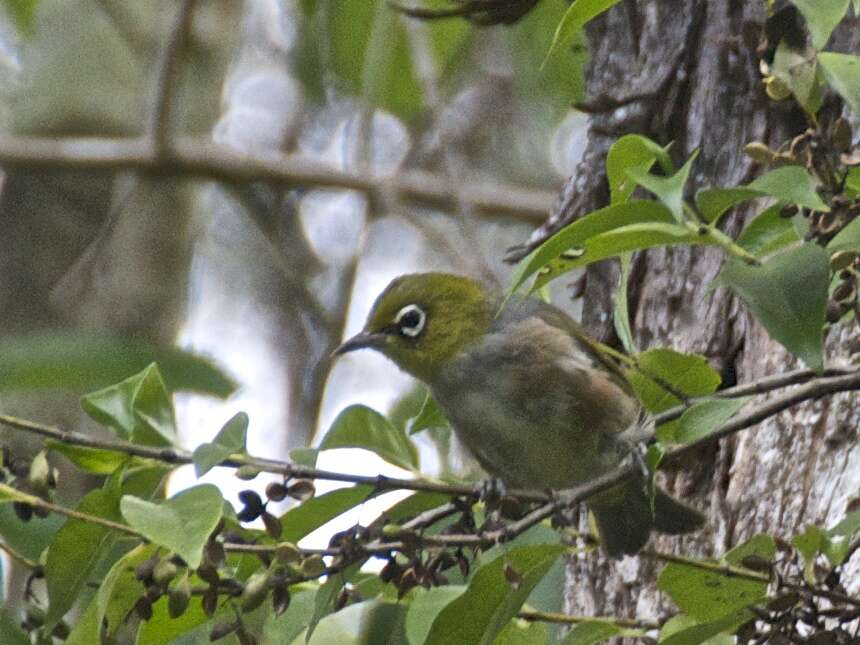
[(681, 72)]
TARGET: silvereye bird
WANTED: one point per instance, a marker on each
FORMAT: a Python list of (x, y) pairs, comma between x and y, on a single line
[(528, 393)]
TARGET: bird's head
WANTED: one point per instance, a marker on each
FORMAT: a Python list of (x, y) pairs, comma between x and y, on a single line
[(421, 321)]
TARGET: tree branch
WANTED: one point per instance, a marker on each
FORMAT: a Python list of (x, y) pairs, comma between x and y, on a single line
[(202, 158), (168, 73)]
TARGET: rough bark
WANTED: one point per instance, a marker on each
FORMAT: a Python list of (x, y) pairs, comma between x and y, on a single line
[(679, 71)]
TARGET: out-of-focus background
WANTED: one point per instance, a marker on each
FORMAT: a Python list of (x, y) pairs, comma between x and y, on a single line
[(263, 279)]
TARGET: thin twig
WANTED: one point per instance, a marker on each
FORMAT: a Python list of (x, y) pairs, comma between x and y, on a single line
[(37, 502), (205, 159), (21, 559), (168, 74), (566, 619)]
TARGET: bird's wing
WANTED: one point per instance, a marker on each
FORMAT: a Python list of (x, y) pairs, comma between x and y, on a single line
[(552, 359)]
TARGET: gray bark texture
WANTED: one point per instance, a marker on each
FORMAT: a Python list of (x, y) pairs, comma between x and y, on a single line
[(679, 71)]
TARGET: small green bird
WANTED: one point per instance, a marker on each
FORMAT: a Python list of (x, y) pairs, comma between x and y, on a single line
[(527, 392)]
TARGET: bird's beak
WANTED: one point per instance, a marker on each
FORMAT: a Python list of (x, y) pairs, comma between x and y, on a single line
[(360, 341)]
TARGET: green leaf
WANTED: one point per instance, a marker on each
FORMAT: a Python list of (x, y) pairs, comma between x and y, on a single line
[(312, 514), (575, 18), (30, 538), (162, 629), (687, 373), (799, 73), (822, 16), (359, 426), (430, 416), (181, 524), (632, 151), (289, 625), (425, 607), (761, 545), (589, 226), (703, 418), (788, 294), (591, 632), (230, 440), (768, 232), (620, 310), (708, 595), (75, 552), (848, 239), (80, 361), (23, 12), (520, 632), (714, 202), (490, 601), (10, 632), (327, 594), (670, 190), (839, 538), (684, 630), (138, 409), (116, 596), (790, 184), (368, 50), (92, 460), (634, 237)]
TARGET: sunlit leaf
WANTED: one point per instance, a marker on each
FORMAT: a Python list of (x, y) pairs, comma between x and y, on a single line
[(584, 228), (425, 607), (822, 16), (703, 418), (632, 151)]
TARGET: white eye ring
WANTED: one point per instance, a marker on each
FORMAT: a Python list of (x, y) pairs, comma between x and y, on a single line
[(414, 328)]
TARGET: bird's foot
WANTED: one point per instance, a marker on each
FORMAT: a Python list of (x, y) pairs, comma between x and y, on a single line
[(491, 490), (638, 454)]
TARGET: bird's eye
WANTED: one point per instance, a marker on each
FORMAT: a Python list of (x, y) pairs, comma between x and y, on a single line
[(410, 320)]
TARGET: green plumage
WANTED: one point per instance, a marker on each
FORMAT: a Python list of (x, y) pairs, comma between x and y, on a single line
[(526, 391)]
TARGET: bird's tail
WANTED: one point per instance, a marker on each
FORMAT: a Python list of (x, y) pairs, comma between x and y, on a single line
[(625, 519)]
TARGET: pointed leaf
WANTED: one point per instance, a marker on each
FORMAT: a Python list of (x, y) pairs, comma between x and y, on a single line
[(843, 74), (575, 18), (490, 601), (788, 294), (822, 16), (312, 514), (430, 416), (75, 552), (713, 202), (687, 373), (703, 418), (591, 225), (359, 426), (768, 232), (790, 184), (670, 190), (708, 595), (632, 151), (634, 237), (138, 409), (230, 440), (181, 524)]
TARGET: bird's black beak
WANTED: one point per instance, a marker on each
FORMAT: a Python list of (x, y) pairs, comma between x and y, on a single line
[(361, 340)]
